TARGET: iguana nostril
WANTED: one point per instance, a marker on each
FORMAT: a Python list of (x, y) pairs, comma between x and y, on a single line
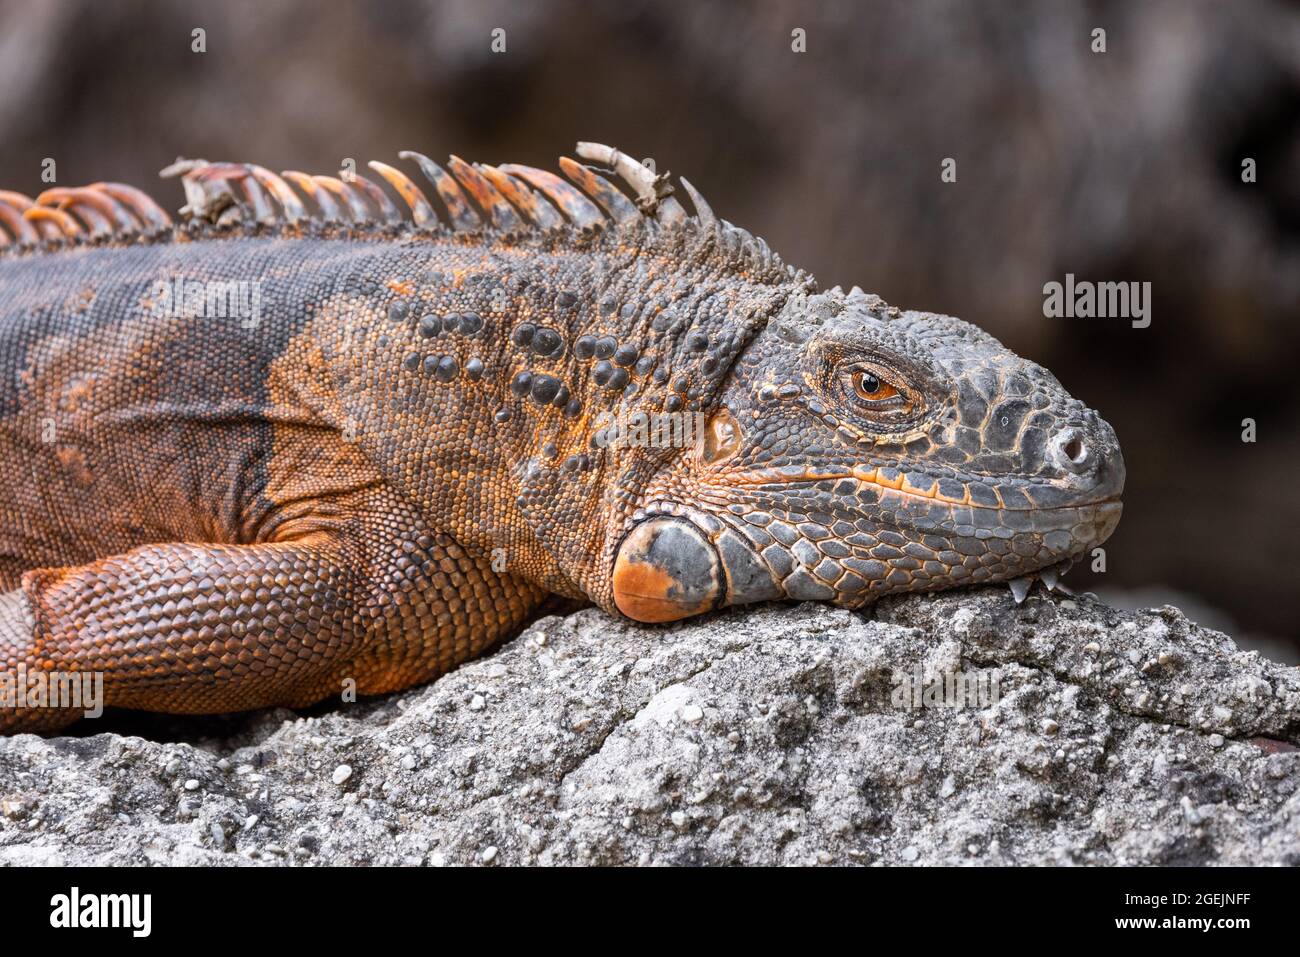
[(1072, 450)]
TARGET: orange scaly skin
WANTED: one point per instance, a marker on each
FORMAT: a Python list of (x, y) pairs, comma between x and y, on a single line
[(393, 462)]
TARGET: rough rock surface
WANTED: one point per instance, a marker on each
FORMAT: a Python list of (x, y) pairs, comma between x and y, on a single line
[(772, 735)]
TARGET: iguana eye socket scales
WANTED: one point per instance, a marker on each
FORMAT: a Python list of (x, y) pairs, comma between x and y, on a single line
[(452, 403)]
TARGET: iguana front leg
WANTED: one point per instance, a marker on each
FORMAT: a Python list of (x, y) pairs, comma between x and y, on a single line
[(15, 638), (376, 598)]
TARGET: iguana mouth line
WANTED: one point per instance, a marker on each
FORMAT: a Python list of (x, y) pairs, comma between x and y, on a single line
[(871, 477)]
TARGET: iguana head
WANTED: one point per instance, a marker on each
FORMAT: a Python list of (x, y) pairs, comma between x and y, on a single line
[(856, 451)]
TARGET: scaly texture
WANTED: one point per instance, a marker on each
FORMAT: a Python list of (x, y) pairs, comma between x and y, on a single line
[(412, 433)]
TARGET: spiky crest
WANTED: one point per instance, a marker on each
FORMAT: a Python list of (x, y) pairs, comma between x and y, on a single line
[(509, 203)]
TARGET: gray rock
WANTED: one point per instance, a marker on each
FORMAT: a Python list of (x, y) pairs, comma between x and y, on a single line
[(779, 734)]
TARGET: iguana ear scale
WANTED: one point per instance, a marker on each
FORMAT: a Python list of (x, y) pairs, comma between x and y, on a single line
[(665, 569)]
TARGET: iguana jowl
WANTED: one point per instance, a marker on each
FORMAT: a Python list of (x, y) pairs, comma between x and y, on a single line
[(393, 463)]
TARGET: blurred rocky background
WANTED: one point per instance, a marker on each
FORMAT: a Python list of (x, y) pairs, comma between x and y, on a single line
[(1116, 166)]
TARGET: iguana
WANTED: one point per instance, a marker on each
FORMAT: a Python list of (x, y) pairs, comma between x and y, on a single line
[(315, 435)]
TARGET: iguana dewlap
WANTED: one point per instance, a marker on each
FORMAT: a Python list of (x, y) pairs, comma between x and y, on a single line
[(313, 437)]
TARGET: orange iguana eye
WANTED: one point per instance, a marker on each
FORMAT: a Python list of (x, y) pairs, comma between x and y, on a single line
[(871, 387)]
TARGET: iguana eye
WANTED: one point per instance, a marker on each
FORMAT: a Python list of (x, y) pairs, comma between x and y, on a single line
[(872, 388)]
